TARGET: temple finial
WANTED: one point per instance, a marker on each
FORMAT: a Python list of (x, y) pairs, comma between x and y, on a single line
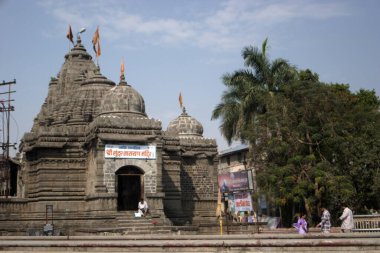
[(79, 40)]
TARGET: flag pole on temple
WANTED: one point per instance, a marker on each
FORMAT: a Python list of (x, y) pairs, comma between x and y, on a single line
[(70, 36), (96, 45)]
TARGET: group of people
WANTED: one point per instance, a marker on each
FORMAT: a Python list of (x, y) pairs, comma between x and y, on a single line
[(301, 225), (325, 224), (244, 217)]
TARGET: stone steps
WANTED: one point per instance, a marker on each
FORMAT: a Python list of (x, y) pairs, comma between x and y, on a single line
[(129, 224), (83, 222)]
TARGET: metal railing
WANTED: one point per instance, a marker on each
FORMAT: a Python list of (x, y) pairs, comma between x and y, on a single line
[(367, 223)]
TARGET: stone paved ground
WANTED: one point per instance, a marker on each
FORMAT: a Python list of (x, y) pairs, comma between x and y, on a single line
[(367, 243)]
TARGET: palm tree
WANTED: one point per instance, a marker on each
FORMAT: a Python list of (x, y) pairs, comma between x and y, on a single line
[(249, 91)]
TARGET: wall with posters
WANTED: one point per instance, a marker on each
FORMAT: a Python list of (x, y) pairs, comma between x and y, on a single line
[(233, 181)]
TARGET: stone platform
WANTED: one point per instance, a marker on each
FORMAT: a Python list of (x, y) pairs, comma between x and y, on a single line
[(334, 242)]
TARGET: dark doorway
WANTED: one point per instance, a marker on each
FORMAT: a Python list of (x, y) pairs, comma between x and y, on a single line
[(129, 188)]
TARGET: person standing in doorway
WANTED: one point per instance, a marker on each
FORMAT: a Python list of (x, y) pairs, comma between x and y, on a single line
[(347, 219), (325, 223)]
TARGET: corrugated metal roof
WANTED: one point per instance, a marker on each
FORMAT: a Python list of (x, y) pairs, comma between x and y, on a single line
[(234, 149)]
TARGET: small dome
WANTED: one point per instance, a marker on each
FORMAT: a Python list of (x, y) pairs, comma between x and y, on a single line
[(185, 126), (78, 51), (96, 78), (123, 99)]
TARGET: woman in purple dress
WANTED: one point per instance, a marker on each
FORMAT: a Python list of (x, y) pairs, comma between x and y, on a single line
[(301, 225)]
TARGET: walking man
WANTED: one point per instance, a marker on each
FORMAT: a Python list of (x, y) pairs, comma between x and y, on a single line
[(325, 223), (347, 219)]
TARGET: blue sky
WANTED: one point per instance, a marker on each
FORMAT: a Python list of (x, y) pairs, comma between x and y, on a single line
[(173, 46)]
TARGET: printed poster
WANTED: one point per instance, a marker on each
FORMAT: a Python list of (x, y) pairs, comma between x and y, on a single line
[(243, 201), (233, 181)]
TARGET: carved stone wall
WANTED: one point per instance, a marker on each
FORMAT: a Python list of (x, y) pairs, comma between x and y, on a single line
[(148, 166)]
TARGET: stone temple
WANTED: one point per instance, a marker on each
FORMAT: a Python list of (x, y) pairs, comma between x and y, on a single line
[(93, 152)]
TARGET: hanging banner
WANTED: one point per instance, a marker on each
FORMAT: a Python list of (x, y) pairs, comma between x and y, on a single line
[(130, 151), (233, 181), (243, 201)]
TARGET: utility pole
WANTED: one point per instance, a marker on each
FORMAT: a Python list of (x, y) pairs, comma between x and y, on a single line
[(6, 108)]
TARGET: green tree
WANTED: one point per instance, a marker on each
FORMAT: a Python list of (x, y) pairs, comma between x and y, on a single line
[(290, 136), (358, 154), (312, 144), (321, 147), (249, 90)]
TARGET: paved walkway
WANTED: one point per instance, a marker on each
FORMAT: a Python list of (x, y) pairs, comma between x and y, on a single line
[(354, 242)]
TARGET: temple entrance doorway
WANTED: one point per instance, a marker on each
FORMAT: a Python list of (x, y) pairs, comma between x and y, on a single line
[(130, 187)]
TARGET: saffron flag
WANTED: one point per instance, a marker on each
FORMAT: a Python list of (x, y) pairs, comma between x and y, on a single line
[(98, 52), (69, 35), (95, 40), (180, 100), (122, 69)]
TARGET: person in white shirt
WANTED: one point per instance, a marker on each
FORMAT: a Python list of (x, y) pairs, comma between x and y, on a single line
[(347, 219), (143, 207)]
